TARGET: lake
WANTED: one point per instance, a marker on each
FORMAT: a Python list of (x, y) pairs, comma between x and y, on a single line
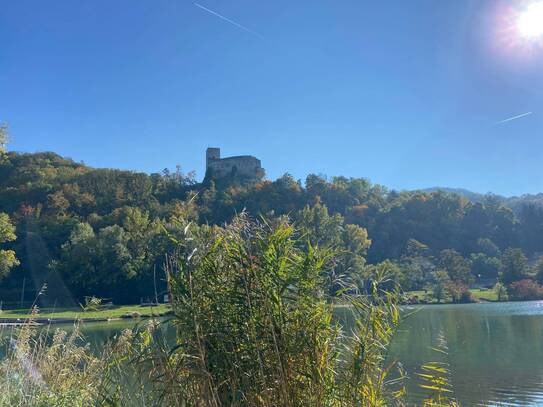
[(495, 350)]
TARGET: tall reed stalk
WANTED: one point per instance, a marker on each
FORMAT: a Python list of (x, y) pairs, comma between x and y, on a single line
[(43, 368), (254, 327)]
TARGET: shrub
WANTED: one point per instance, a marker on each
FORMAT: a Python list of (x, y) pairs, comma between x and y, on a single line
[(459, 292), (40, 370), (59, 369), (501, 291), (524, 290), (254, 327)]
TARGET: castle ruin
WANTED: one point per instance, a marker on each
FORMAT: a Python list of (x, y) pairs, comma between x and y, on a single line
[(242, 166)]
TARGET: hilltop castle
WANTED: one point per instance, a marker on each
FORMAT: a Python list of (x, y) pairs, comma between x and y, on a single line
[(242, 166)]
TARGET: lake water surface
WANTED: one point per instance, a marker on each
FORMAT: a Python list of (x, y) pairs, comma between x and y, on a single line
[(495, 350)]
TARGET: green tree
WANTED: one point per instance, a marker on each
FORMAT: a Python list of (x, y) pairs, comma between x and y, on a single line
[(459, 292), (531, 226), (538, 270), (116, 262), (488, 247), (501, 291), (94, 264), (438, 286), (416, 271), (140, 231), (7, 257), (414, 248), (456, 266), (320, 229), (78, 262), (354, 244), (514, 266), (483, 266), (387, 274)]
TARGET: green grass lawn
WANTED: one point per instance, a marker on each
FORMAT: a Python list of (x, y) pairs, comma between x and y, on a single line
[(162, 309), (485, 295), (488, 295), (74, 313)]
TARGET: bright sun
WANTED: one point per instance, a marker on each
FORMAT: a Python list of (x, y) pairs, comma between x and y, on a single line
[(530, 21)]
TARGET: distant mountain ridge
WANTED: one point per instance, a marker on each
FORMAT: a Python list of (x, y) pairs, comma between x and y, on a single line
[(466, 193), (514, 202)]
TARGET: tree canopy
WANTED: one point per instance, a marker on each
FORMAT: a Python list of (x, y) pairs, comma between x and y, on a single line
[(7, 257), (83, 226)]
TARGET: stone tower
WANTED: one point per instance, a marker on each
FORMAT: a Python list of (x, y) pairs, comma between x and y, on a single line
[(241, 167), (212, 154)]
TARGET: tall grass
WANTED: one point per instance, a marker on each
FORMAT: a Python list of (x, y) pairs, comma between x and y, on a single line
[(44, 368), (436, 378), (254, 327)]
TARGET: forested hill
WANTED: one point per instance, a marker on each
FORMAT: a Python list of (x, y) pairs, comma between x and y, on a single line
[(84, 230), (514, 202)]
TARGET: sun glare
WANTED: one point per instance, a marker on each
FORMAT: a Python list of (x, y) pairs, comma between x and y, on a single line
[(530, 22)]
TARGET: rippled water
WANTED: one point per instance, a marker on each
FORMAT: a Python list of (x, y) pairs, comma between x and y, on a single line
[(495, 351)]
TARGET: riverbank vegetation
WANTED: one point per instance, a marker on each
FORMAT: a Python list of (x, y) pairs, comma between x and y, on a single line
[(253, 272), (476, 295), (254, 327), (122, 311), (99, 232), (255, 323)]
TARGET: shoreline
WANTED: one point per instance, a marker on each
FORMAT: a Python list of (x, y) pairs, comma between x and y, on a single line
[(46, 316), (51, 321)]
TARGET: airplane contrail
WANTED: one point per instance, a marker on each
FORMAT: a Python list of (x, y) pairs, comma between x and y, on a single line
[(228, 20), (520, 116)]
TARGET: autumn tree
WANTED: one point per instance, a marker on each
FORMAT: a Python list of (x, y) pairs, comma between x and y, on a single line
[(7, 257)]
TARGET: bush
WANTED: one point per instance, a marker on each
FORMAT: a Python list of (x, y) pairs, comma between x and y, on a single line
[(524, 290), (43, 370), (255, 328), (501, 291), (459, 292)]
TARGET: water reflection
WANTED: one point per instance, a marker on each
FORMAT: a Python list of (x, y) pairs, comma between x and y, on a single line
[(495, 351)]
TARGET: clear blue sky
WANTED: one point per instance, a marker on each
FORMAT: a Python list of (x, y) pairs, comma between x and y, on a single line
[(406, 93)]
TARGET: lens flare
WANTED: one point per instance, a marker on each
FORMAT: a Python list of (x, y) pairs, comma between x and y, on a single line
[(530, 21)]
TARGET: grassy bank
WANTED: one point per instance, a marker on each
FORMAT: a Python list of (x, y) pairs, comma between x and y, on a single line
[(78, 313), (476, 293), (163, 309)]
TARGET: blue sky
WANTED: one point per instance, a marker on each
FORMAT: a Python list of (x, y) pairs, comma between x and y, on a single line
[(406, 93)]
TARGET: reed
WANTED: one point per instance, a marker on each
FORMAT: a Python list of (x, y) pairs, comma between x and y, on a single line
[(255, 328), (44, 368)]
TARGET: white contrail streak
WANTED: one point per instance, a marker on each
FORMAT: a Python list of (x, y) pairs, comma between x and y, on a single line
[(228, 20), (520, 116)]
